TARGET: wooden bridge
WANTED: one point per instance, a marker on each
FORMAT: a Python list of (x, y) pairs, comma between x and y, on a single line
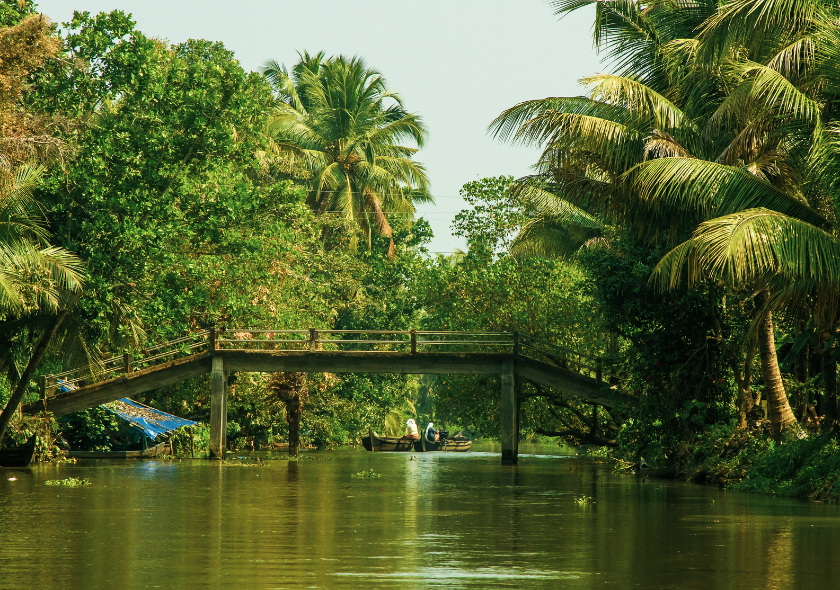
[(513, 356)]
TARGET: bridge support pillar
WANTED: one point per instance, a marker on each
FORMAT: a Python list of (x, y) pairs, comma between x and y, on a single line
[(218, 409), (510, 413)]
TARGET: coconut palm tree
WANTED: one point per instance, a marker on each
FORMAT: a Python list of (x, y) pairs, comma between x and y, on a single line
[(338, 117), (780, 61), (673, 143), (32, 273), (37, 280), (34, 277)]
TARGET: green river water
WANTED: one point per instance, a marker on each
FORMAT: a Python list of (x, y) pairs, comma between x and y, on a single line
[(440, 520)]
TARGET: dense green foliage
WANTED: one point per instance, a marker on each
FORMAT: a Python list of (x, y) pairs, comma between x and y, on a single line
[(695, 181), (679, 225)]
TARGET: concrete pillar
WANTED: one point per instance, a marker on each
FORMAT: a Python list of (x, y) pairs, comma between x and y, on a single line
[(224, 414), (218, 402), (510, 414)]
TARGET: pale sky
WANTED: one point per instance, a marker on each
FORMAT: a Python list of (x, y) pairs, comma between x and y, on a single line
[(458, 63)]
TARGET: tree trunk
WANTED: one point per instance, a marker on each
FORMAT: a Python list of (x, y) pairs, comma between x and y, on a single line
[(815, 367), (293, 390), (293, 412), (778, 408), (743, 379), (23, 383), (802, 360), (744, 404), (829, 372)]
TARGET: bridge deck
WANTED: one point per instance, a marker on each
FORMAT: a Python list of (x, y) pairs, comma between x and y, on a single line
[(510, 355), (254, 361)]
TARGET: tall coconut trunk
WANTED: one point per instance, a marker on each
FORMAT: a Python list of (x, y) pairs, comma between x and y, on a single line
[(778, 408), (380, 222)]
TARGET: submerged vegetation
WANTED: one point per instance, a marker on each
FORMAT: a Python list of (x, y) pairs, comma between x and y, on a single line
[(680, 223), (70, 482), (370, 474)]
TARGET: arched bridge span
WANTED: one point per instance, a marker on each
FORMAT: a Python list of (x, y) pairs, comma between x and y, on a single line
[(511, 355)]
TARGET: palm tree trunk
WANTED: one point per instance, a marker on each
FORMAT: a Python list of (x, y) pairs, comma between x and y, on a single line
[(23, 383), (781, 416), (381, 223)]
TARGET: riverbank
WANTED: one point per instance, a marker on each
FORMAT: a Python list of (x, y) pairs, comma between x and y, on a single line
[(806, 468)]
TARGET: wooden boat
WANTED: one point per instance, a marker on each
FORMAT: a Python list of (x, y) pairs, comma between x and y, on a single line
[(458, 445), (161, 449), (648, 470), (387, 444), (19, 456)]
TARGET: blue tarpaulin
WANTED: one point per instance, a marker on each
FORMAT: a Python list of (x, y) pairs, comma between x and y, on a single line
[(151, 421)]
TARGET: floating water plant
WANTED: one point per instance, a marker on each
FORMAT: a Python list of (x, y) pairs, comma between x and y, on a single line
[(71, 482), (584, 500), (366, 475), (260, 464)]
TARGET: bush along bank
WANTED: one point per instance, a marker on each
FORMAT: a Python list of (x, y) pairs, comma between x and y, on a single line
[(800, 465)]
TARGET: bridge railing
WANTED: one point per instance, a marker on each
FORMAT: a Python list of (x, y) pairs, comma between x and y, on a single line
[(593, 366), (125, 364), (415, 341), (411, 341), (313, 340)]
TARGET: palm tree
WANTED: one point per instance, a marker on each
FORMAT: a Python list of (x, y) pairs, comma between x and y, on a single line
[(37, 280), (32, 273), (34, 276), (340, 120), (672, 143), (780, 61)]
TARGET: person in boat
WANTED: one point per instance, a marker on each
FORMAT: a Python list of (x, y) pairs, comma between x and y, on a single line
[(431, 434), (411, 430)]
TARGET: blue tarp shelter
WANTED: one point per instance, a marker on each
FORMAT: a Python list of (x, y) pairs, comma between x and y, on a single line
[(152, 422)]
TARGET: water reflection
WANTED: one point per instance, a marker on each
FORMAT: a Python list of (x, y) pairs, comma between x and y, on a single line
[(438, 521)]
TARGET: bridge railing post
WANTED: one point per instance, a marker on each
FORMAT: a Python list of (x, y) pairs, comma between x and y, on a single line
[(212, 340), (42, 386), (413, 341), (127, 368), (517, 347), (313, 339), (599, 370)]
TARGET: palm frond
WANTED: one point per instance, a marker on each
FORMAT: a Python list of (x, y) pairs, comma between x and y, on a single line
[(639, 100), (710, 189), (754, 246)]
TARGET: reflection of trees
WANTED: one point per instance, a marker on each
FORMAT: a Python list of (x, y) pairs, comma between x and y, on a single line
[(779, 560)]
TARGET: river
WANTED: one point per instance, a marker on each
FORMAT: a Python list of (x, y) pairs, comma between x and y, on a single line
[(434, 520)]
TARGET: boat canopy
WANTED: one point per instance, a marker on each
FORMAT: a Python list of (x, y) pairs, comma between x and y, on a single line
[(151, 421)]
